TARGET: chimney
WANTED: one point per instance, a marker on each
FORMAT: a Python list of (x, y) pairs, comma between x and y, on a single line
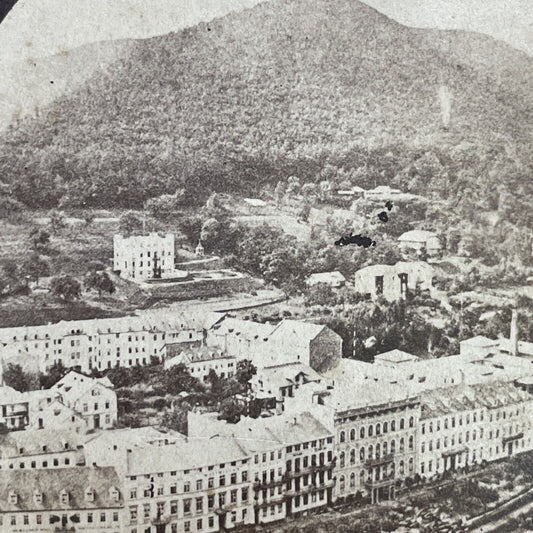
[(513, 337)]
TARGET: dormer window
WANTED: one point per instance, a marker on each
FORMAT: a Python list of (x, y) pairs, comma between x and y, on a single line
[(38, 497), (64, 496), (114, 494), (13, 497), (89, 494)]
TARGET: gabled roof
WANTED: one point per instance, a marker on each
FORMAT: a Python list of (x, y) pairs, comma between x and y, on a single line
[(39, 441), (73, 385), (10, 395), (245, 329), (296, 330), (396, 356), (51, 482)]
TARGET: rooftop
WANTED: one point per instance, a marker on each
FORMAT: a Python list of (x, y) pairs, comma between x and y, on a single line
[(51, 482), (185, 455)]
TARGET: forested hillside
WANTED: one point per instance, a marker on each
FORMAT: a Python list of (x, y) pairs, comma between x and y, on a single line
[(284, 89)]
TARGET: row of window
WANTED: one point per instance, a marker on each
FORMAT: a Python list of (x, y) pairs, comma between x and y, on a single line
[(376, 429), (470, 417), (375, 452), (44, 464), (39, 519)]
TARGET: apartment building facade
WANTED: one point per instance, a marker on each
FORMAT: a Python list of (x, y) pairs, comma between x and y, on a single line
[(140, 257), (292, 461), (190, 486), (94, 399), (467, 425), (100, 344), (376, 446)]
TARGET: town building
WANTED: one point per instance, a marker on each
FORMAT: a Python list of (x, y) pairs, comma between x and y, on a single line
[(420, 241), (92, 398), (142, 257), (335, 279), (108, 448), (292, 464), (14, 411), (200, 361), (61, 499), (393, 282), (36, 449), (295, 341), (193, 485), (276, 383), (99, 344), (58, 416), (466, 425)]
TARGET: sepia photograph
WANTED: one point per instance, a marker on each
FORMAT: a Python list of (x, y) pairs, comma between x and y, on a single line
[(266, 266)]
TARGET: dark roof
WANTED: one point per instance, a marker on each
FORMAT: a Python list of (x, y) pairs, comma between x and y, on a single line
[(50, 483)]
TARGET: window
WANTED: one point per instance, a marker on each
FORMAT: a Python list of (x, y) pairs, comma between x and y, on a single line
[(133, 513), (411, 422), (378, 429), (362, 453), (222, 481), (187, 487), (187, 506), (370, 430), (173, 507), (342, 436), (342, 484), (352, 434), (402, 423), (102, 517), (199, 504), (341, 460), (198, 484), (199, 524), (187, 526)]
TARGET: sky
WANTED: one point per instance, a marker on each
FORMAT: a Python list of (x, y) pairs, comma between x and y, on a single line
[(36, 28)]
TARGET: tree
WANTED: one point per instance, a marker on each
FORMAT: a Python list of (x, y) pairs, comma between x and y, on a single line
[(39, 238), (57, 220), (65, 287), (245, 371), (130, 223), (17, 378), (230, 410), (279, 192), (305, 211), (10, 208), (99, 281), (35, 267), (52, 376), (176, 419), (166, 206)]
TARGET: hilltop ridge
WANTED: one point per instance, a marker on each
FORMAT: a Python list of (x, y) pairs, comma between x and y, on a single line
[(253, 96)]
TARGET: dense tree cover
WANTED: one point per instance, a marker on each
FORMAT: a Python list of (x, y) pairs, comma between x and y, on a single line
[(229, 110), (18, 378), (100, 281), (66, 288)]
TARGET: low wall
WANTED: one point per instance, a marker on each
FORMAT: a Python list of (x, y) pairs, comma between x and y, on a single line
[(190, 290)]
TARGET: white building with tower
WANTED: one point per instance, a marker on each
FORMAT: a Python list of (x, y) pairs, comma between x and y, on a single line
[(141, 257)]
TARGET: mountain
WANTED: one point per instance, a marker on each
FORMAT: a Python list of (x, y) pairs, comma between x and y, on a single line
[(31, 85), (282, 88)]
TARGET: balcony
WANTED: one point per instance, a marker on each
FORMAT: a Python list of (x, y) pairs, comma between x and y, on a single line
[(454, 451), (384, 459), (259, 484), (382, 482), (511, 438), (160, 520)]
